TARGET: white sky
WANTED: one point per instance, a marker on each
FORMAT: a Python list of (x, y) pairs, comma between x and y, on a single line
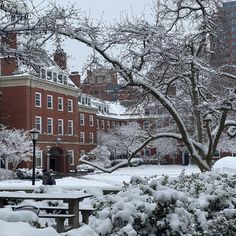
[(108, 11)]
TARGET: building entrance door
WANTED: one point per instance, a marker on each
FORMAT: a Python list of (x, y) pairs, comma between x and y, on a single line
[(57, 160)]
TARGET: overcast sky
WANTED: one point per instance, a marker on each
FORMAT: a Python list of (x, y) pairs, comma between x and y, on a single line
[(108, 11)]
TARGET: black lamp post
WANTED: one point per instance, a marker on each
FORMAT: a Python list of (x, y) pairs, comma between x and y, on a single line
[(34, 136)]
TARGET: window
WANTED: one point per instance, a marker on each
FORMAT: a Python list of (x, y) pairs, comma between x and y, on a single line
[(43, 74), (81, 119), (60, 104), (71, 155), (91, 137), (38, 123), (113, 124), (70, 127), (90, 120), (39, 158), (102, 124), (38, 99), (82, 137), (108, 124), (54, 75), (50, 101), (49, 75), (97, 123), (60, 126), (50, 126), (70, 105)]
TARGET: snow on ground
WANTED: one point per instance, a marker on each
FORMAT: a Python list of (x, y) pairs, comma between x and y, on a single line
[(105, 180), (225, 165), (92, 181)]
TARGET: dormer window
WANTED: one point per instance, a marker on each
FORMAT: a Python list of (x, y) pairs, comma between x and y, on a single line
[(49, 75), (43, 73), (54, 77), (65, 80), (60, 79)]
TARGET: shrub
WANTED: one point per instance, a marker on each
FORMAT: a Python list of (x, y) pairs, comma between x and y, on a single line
[(199, 204)]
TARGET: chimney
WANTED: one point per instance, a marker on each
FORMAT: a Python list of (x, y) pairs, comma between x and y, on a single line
[(8, 64), (60, 58), (75, 77)]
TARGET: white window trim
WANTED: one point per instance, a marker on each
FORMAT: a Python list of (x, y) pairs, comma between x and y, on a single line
[(71, 154), (50, 96), (72, 127), (91, 138), (80, 136), (62, 104), (49, 118), (71, 102), (102, 124), (62, 127), (81, 123), (39, 156), (40, 123), (40, 99), (91, 123)]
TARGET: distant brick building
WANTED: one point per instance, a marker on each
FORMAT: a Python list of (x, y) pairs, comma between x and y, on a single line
[(102, 83)]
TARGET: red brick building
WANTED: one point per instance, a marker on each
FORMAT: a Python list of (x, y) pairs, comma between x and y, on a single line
[(51, 107)]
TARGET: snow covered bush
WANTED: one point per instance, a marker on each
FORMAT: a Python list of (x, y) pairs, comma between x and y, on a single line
[(26, 173), (199, 204), (6, 174)]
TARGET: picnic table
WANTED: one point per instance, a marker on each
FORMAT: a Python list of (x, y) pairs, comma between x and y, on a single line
[(72, 198)]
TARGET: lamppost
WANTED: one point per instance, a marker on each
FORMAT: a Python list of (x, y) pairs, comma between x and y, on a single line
[(34, 133)]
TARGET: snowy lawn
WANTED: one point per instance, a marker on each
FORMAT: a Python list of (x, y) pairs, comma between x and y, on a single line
[(189, 199)]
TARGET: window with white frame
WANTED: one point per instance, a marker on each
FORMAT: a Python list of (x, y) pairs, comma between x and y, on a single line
[(102, 124), (81, 137), (49, 101), (70, 105), (97, 123), (38, 123), (90, 120), (38, 99), (60, 104), (81, 119), (43, 74), (108, 124), (71, 156), (50, 125), (54, 75), (70, 127), (60, 127), (39, 158), (91, 137)]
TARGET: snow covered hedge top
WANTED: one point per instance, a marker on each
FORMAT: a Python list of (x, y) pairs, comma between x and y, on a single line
[(199, 204)]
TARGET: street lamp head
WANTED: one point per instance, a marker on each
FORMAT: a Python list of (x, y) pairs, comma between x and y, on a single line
[(34, 133)]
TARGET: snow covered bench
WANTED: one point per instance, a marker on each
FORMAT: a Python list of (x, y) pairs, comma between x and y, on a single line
[(85, 211)]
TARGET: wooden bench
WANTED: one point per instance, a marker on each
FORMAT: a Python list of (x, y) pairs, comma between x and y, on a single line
[(85, 211)]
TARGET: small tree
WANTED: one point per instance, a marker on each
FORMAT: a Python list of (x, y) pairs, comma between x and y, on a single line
[(16, 145), (125, 140)]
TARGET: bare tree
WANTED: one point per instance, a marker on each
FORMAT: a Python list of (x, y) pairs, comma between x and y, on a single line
[(171, 51)]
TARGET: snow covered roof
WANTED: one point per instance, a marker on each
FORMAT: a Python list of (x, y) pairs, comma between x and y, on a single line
[(109, 109)]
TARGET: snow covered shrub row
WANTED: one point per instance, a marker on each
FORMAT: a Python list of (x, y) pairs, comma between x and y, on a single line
[(26, 173), (199, 204)]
